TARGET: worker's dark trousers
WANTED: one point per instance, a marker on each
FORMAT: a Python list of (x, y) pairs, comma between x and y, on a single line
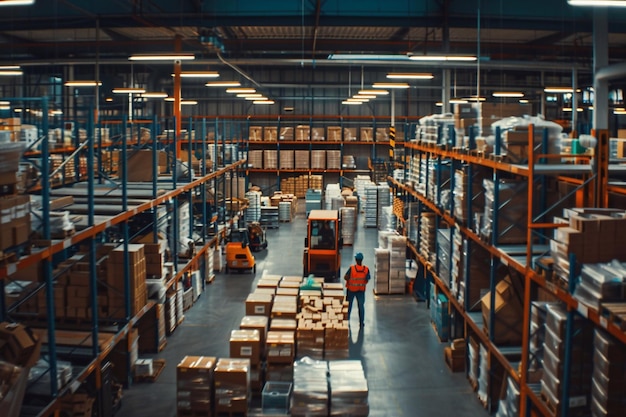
[(360, 300)]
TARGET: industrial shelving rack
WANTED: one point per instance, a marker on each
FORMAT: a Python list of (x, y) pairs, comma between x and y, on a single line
[(95, 229), (591, 188), (364, 150)]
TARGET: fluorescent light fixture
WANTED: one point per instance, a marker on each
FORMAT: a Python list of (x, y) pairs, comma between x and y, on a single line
[(390, 85), (266, 102), (244, 95), (365, 96), (466, 58), (410, 75), (128, 90), (597, 3), (169, 99), (5, 103), (569, 109), (360, 100), (17, 110), (457, 101), (474, 98), (260, 97), (155, 94), (375, 92), (240, 90), (108, 99), (351, 103), (199, 74), (367, 57), (56, 112), (223, 84), (439, 104), (11, 72), (9, 67), (17, 2), (162, 57), (511, 94), (590, 108), (83, 83), (188, 102), (523, 101), (5, 107), (560, 90)]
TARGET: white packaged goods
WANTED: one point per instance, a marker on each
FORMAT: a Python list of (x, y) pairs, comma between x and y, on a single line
[(310, 388), (348, 389), (253, 212), (397, 264), (332, 191), (381, 267), (255, 159), (483, 374), (383, 200), (284, 211), (370, 207), (348, 224)]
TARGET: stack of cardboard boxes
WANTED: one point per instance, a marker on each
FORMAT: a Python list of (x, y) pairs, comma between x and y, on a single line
[(609, 376), (232, 385), (194, 386), (15, 215), (136, 276)]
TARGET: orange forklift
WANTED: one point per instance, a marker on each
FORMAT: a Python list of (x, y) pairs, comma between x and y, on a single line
[(322, 256)]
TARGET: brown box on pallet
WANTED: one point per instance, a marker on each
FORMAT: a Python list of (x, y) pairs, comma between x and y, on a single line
[(317, 133), (303, 133), (258, 323), (232, 385), (280, 347), (258, 304), (270, 133), (366, 134), (333, 133), (246, 344), (255, 133)]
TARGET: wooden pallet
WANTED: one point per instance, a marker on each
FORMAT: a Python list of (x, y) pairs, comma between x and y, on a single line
[(157, 368)]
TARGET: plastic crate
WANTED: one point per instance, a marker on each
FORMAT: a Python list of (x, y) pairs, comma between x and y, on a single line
[(275, 397)]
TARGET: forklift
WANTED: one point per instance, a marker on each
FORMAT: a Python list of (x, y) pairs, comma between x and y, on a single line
[(241, 243), (322, 256)]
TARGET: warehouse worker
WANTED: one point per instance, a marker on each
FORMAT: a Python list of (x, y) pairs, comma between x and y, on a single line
[(356, 278)]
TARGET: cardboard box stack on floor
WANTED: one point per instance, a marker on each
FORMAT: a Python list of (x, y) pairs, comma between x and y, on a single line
[(194, 385), (232, 385)]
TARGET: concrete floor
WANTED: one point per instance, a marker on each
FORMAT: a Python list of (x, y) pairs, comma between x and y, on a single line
[(401, 354)]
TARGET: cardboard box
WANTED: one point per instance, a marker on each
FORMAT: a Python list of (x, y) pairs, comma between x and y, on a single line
[(333, 133), (367, 134), (19, 345), (232, 385), (270, 133), (246, 344), (508, 313), (280, 347), (255, 133), (258, 323), (258, 304), (139, 165)]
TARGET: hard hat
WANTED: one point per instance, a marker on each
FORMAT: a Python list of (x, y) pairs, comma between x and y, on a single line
[(358, 256)]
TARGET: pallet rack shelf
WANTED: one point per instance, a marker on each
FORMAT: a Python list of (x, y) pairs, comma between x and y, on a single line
[(520, 259), (141, 200)]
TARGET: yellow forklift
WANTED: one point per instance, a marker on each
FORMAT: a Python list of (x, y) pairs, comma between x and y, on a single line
[(241, 243), (322, 256)]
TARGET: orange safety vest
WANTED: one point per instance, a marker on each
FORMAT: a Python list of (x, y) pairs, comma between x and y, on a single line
[(358, 278)]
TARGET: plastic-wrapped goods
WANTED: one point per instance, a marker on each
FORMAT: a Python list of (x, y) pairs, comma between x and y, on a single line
[(427, 130), (318, 159), (310, 388), (253, 212), (439, 183), (194, 384), (381, 268), (370, 205), (514, 137), (456, 273), (472, 372), (509, 405), (284, 211), (333, 191), (348, 389), (383, 238), (301, 159), (387, 220), (607, 389), (512, 217), (483, 375), (383, 200), (397, 264), (333, 159), (255, 159), (286, 159), (270, 159), (348, 224), (232, 385), (427, 236), (348, 162), (463, 185)]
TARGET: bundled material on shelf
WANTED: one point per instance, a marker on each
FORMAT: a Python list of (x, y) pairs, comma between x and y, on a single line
[(284, 211), (232, 385), (317, 133), (438, 185), (253, 212), (348, 389), (286, 133), (468, 189), (428, 236), (286, 159), (593, 236), (235, 186), (383, 200), (440, 314), (381, 269), (350, 134), (270, 159), (333, 133), (366, 134), (458, 262), (310, 388), (444, 256), (194, 384), (255, 159), (332, 192), (509, 405), (483, 375), (427, 130), (318, 159), (348, 224), (515, 136), (370, 205), (333, 159), (472, 352), (512, 211), (10, 154), (387, 219), (601, 283), (348, 162), (609, 372), (581, 368), (116, 287), (270, 133), (301, 159), (360, 181), (303, 133), (537, 335), (255, 133)]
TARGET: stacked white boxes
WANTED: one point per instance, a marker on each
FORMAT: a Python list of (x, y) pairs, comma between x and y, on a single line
[(284, 211), (397, 264), (428, 235), (184, 228), (310, 388), (381, 269), (348, 389), (348, 224), (383, 200), (360, 182), (332, 191), (370, 206)]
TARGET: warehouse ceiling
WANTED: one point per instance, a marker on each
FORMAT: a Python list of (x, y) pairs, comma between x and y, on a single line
[(507, 35)]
